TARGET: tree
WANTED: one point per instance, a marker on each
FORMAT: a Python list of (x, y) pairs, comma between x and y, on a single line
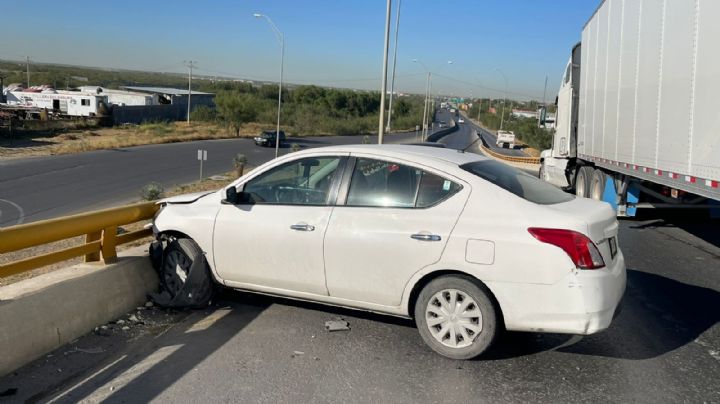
[(236, 108)]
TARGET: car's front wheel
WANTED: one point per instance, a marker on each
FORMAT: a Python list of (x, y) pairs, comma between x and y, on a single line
[(456, 317), (185, 277)]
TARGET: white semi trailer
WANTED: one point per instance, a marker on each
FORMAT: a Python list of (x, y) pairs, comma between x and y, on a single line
[(638, 111)]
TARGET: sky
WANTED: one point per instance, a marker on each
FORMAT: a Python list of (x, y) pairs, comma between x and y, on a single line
[(335, 43)]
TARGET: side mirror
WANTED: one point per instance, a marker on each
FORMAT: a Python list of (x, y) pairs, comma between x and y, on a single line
[(231, 196)]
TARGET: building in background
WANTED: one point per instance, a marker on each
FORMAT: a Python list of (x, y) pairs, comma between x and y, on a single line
[(122, 97), (175, 96)]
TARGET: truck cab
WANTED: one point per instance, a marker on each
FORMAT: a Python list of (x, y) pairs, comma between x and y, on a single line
[(557, 165), (505, 137)]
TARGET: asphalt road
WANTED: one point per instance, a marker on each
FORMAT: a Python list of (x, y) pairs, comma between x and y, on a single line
[(39, 188), (663, 347)]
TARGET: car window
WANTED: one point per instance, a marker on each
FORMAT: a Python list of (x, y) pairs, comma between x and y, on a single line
[(301, 182), (434, 189), (519, 183), (379, 183)]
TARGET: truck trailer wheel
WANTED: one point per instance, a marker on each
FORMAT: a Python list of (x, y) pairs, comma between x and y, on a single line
[(582, 181), (597, 185)]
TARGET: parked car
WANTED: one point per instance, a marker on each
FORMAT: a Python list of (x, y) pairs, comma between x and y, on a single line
[(461, 120), (464, 245), (267, 138)]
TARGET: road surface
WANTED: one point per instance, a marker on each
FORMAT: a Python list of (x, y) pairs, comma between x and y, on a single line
[(39, 188)]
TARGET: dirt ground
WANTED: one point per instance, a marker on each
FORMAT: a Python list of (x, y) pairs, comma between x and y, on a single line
[(75, 141)]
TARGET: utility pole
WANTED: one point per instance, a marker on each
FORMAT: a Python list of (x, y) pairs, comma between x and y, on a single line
[(392, 81), (27, 66), (190, 64), (383, 89), (545, 90)]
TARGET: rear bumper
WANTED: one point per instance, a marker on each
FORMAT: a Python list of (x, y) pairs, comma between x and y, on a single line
[(584, 302)]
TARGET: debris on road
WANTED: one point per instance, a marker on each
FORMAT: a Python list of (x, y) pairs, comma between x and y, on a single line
[(337, 325), (94, 350)]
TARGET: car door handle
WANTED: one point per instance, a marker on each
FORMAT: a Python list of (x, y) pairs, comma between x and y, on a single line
[(426, 237), (302, 227)]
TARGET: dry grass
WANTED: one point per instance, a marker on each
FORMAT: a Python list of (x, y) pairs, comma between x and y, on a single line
[(124, 136), (198, 186)]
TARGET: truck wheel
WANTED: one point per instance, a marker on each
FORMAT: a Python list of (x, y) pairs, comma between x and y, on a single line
[(456, 317), (582, 181), (597, 185), (541, 172)]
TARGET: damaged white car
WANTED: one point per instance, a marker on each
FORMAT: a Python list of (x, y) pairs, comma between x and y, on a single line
[(464, 245)]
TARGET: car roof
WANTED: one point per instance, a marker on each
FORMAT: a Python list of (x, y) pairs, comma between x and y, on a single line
[(418, 153)]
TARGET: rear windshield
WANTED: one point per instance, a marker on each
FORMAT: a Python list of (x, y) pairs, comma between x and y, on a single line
[(518, 182)]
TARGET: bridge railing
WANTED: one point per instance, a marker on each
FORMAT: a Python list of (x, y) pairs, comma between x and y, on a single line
[(100, 229)]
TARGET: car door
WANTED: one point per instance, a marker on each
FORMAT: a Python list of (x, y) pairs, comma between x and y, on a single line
[(274, 237), (394, 220)]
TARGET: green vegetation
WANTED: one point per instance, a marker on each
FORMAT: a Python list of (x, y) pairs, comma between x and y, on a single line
[(526, 129), (306, 110), (152, 191), (312, 110)]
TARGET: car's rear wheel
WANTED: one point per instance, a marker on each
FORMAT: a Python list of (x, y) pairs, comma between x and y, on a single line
[(456, 317), (582, 181), (182, 256)]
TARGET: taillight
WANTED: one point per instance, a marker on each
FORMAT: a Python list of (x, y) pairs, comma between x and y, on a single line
[(581, 250)]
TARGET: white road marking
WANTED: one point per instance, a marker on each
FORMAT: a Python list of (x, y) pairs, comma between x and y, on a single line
[(21, 215)]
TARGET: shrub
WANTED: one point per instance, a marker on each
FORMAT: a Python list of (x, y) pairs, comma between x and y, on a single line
[(152, 191), (204, 113)]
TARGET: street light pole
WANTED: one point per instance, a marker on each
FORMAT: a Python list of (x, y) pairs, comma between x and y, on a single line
[(190, 65), (27, 66), (281, 39), (383, 89), (428, 86), (392, 81), (502, 116)]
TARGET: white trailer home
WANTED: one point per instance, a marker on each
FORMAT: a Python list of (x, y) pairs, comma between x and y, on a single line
[(62, 102), (636, 123)]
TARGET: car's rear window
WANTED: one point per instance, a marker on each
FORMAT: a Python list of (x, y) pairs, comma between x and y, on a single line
[(518, 182)]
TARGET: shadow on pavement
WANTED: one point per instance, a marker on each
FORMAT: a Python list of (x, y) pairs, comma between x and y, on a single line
[(143, 373), (659, 315), (696, 222)]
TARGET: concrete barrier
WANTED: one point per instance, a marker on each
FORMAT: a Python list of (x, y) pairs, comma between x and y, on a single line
[(40, 314)]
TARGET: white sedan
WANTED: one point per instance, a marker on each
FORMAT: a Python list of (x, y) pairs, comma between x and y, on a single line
[(464, 245)]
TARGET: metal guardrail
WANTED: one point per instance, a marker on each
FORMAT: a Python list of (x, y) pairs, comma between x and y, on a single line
[(99, 227), (526, 160)]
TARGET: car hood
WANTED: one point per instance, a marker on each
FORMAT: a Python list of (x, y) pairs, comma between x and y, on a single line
[(184, 198)]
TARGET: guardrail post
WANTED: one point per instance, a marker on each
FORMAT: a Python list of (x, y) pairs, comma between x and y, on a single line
[(109, 239), (90, 237)]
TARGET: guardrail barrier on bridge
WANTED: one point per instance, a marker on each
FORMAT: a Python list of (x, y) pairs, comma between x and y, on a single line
[(99, 227)]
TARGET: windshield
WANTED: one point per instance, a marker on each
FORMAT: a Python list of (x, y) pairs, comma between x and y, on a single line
[(518, 182)]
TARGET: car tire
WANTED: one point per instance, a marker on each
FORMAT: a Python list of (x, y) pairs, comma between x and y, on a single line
[(465, 333), (582, 181), (178, 259), (597, 185)]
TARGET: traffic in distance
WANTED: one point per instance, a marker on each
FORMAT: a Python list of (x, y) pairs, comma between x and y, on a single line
[(394, 230)]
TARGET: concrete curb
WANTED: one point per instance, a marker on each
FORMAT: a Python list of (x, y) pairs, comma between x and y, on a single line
[(40, 314)]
